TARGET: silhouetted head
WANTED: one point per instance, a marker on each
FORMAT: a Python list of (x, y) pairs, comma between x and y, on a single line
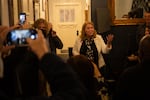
[(144, 49), (147, 18), (85, 71), (42, 24), (82, 65)]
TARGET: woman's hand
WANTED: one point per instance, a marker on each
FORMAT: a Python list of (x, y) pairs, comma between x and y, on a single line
[(110, 38)]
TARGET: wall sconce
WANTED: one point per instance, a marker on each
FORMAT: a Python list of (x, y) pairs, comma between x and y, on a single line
[(87, 10), (87, 5)]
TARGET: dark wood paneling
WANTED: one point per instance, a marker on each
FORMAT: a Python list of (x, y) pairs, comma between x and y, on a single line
[(123, 44), (94, 5)]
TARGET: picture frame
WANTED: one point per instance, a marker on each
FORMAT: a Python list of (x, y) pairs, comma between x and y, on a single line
[(67, 13)]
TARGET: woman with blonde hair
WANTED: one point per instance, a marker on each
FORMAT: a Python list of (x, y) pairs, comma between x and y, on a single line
[(92, 45)]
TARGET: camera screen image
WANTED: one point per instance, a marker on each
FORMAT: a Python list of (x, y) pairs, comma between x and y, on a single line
[(22, 18), (18, 37)]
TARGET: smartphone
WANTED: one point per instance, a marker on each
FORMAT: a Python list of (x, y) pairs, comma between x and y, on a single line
[(22, 18), (18, 37)]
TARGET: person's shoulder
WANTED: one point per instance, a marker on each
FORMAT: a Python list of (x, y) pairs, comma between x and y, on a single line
[(131, 71), (132, 68), (141, 25), (98, 36)]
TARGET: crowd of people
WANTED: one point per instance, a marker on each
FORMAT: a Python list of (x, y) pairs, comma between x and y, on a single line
[(76, 79), (63, 81), (133, 81)]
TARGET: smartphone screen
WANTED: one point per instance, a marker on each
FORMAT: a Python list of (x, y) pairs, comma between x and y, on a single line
[(22, 18), (18, 37)]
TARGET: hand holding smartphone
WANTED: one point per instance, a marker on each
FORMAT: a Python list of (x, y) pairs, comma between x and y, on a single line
[(18, 37)]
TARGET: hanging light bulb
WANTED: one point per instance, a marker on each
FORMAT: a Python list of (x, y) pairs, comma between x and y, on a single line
[(87, 4)]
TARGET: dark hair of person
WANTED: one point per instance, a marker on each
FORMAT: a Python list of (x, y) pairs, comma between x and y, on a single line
[(144, 48), (85, 72), (39, 21), (82, 65)]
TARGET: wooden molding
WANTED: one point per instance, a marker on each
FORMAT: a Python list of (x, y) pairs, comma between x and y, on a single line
[(122, 21), (128, 21), (86, 15)]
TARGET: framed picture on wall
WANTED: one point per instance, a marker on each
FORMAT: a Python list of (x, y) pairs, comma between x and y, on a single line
[(66, 13)]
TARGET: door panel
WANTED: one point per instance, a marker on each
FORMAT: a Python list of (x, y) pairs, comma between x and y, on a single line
[(67, 19)]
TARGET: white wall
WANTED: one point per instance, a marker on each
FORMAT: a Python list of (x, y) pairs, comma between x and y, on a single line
[(67, 31)]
